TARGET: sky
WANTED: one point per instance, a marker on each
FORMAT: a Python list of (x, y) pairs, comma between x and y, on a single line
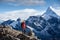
[(25, 8)]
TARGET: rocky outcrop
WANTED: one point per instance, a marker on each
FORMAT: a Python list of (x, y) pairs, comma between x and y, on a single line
[(7, 33)]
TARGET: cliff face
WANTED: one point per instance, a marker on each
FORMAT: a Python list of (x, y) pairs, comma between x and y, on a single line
[(7, 33)]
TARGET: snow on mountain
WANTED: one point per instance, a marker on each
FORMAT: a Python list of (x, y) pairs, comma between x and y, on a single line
[(30, 28), (42, 27), (49, 12), (45, 26), (36, 22), (16, 24), (57, 11), (7, 22), (1, 21)]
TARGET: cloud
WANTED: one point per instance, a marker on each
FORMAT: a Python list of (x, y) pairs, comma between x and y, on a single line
[(25, 2), (23, 14)]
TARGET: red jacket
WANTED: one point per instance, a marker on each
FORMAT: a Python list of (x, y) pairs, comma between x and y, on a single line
[(23, 25)]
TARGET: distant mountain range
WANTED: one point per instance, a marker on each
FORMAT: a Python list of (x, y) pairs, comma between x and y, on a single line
[(45, 26)]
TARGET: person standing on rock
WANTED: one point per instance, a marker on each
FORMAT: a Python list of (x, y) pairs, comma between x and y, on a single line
[(23, 25)]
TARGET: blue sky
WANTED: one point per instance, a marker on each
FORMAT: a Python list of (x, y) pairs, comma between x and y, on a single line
[(13, 9), (9, 5)]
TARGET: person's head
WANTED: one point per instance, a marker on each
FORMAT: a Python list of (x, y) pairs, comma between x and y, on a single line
[(23, 21)]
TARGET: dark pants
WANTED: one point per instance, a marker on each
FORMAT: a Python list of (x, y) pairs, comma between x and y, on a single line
[(23, 30)]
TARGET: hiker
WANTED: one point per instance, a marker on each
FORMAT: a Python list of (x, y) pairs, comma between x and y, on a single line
[(23, 25)]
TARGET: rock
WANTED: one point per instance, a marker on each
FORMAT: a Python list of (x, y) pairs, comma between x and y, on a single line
[(30, 33), (33, 39), (23, 37), (8, 37), (7, 33)]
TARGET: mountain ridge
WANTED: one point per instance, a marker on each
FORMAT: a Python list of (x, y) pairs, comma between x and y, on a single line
[(49, 12), (41, 26)]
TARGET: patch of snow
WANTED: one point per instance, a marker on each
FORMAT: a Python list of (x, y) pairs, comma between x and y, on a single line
[(30, 28)]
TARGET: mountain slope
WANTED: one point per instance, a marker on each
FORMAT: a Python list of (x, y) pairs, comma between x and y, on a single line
[(7, 22), (49, 24), (49, 12), (45, 26), (16, 24), (1, 21), (36, 22)]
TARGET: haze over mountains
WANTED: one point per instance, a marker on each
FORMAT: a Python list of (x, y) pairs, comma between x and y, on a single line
[(23, 14), (44, 26)]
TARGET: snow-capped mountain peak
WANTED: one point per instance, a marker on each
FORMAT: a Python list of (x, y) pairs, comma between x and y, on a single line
[(49, 12), (57, 11)]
